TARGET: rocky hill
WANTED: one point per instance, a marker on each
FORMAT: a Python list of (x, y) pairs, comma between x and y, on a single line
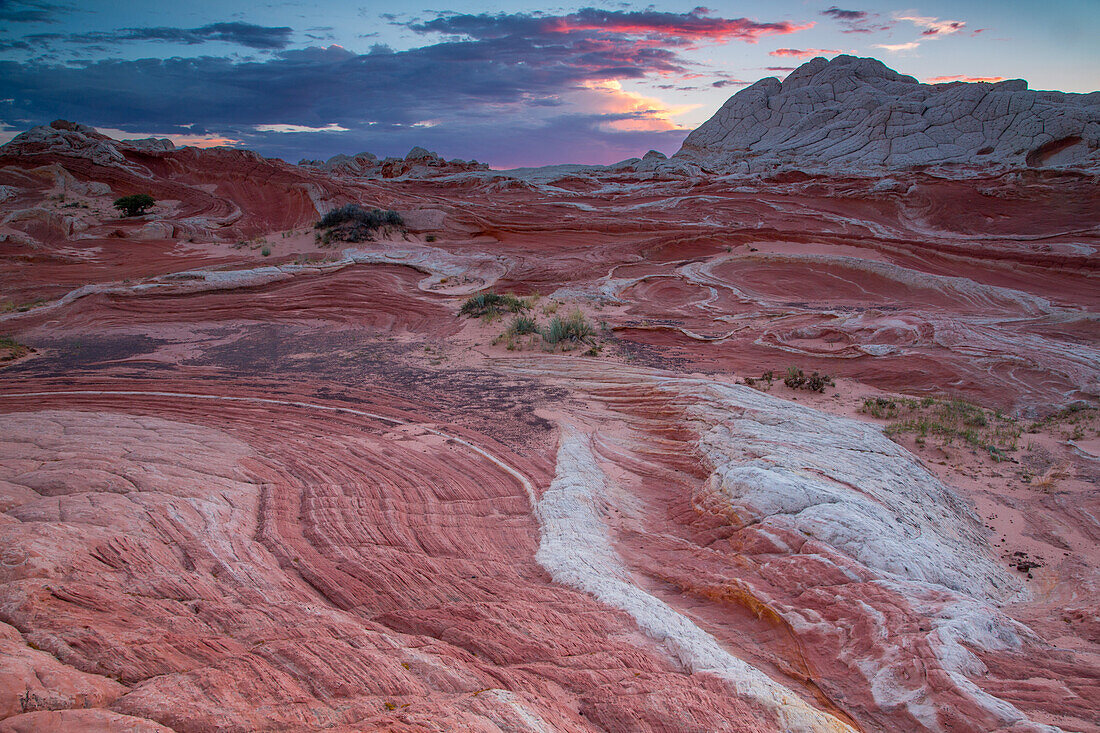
[(858, 113)]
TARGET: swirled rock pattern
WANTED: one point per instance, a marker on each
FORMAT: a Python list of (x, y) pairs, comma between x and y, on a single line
[(252, 482)]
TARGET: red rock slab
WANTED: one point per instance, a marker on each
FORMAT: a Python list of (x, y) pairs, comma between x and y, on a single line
[(262, 566)]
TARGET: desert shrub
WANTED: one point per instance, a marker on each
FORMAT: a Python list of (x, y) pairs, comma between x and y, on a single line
[(353, 223), (948, 421), (522, 325), (797, 379), (266, 251), (135, 204), (1074, 422), (764, 382), (10, 349), (880, 407), (572, 329), (794, 378), (492, 304)]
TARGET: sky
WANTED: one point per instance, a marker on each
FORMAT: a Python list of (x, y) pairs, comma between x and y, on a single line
[(509, 84)]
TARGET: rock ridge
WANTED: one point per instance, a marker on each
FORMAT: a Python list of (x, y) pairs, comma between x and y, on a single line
[(857, 113)]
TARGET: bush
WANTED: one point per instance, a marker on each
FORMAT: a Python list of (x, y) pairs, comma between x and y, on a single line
[(266, 251), (947, 420), (797, 379), (135, 204), (492, 304), (523, 325), (10, 349), (572, 329), (353, 223)]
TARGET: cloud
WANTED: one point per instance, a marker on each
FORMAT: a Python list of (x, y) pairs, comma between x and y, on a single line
[(179, 139), (669, 28), (896, 47), (240, 34), (333, 127), (508, 89), (848, 15), (780, 68), (801, 53), (729, 83), (478, 95), (856, 21), (934, 26), (30, 11), (962, 77)]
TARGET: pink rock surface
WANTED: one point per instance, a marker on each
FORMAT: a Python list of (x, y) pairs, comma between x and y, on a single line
[(298, 491)]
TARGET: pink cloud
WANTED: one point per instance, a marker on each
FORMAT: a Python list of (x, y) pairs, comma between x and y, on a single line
[(671, 28), (896, 47), (804, 53), (934, 26), (962, 77)]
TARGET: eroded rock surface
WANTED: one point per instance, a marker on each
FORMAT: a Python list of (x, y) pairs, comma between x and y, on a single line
[(253, 481), (856, 113)]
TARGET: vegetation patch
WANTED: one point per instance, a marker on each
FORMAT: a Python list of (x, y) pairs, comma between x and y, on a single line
[(10, 349), (353, 223), (135, 204), (947, 421), (816, 382), (492, 304), (10, 306), (523, 325), (795, 378), (572, 330), (1079, 421)]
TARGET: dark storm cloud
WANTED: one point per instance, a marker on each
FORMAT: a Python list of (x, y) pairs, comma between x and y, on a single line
[(309, 85), (500, 80)]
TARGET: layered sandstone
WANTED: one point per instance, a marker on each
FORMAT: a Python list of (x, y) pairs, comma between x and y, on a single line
[(293, 489)]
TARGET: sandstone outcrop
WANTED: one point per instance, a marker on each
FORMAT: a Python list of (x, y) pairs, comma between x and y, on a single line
[(252, 482), (419, 163), (856, 113)]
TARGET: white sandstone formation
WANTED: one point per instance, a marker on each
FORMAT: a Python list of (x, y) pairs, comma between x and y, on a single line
[(860, 114)]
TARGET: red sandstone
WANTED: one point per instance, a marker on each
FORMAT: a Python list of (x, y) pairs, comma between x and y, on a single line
[(313, 497)]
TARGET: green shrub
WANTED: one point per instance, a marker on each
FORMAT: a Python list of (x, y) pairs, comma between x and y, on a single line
[(795, 378), (353, 223), (266, 251), (947, 420), (573, 329), (816, 382), (135, 204), (492, 304), (523, 325), (10, 349)]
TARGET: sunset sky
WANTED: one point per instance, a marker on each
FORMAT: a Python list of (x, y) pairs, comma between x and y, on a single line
[(506, 83)]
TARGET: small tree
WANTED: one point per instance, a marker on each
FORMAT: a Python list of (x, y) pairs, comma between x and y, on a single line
[(135, 204)]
